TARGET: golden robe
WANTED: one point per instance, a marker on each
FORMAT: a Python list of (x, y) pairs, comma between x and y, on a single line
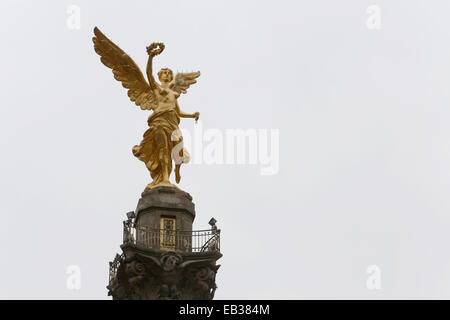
[(155, 149)]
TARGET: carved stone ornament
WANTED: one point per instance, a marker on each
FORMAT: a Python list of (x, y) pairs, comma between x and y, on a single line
[(168, 275)]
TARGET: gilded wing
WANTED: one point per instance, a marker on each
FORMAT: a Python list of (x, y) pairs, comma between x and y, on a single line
[(182, 81), (125, 70)]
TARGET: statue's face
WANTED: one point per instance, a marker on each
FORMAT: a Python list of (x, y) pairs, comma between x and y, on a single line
[(165, 75)]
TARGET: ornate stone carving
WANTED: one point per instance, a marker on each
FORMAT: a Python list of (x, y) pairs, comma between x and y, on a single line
[(151, 274), (170, 260)]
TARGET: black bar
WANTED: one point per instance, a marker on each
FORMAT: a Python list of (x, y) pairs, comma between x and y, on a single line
[(233, 309)]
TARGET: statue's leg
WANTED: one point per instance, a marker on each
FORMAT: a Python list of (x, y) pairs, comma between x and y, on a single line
[(163, 155), (179, 161), (177, 173)]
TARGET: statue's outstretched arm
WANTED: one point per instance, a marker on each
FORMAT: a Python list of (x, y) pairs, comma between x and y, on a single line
[(182, 114), (153, 50)]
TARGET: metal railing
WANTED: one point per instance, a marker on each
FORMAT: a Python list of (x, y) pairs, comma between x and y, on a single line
[(113, 266), (173, 240)]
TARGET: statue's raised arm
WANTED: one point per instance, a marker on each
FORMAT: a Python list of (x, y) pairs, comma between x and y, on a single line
[(153, 50)]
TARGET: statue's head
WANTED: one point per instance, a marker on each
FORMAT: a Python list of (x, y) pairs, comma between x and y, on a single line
[(165, 75)]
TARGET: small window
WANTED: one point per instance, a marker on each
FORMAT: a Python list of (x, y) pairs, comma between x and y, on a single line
[(168, 233)]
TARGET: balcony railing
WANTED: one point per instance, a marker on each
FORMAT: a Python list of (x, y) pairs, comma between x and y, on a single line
[(173, 240), (113, 266)]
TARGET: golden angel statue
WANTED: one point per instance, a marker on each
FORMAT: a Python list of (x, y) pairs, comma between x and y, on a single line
[(162, 142)]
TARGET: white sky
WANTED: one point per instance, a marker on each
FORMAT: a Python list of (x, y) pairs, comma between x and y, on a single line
[(364, 174)]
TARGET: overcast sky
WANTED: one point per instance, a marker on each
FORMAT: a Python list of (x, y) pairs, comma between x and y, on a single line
[(364, 151)]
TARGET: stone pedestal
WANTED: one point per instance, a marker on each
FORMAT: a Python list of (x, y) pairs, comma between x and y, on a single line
[(162, 257), (167, 202)]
